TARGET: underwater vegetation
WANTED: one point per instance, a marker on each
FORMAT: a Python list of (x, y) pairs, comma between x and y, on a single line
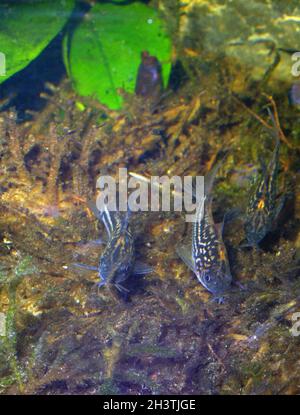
[(159, 331)]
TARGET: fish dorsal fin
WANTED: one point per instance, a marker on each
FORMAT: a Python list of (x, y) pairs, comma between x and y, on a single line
[(219, 229), (210, 178), (107, 220), (140, 268), (229, 216), (104, 215), (184, 253)]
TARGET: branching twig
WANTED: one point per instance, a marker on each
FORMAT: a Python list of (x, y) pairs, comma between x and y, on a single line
[(263, 122)]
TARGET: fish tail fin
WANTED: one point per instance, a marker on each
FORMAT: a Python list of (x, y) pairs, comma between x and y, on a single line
[(210, 178)]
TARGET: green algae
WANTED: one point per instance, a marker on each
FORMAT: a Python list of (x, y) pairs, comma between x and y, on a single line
[(24, 267), (9, 342)]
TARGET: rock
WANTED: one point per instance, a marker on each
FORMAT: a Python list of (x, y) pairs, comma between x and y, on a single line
[(255, 36)]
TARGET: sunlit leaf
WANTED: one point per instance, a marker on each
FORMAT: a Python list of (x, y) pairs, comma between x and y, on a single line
[(26, 28), (104, 53)]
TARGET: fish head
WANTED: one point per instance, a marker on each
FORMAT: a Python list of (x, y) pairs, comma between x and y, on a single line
[(217, 280)]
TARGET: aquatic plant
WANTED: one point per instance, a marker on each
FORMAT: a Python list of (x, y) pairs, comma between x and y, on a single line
[(103, 54), (101, 49), (27, 28), (9, 342)]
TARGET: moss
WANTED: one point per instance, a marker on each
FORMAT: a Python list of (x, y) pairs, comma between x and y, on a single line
[(6, 382), (150, 350), (184, 305), (253, 374), (134, 378), (25, 267), (108, 387), (9, 344)]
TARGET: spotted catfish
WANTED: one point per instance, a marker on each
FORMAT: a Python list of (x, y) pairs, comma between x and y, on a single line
[(207, 256), (117, 261), (263, 208)]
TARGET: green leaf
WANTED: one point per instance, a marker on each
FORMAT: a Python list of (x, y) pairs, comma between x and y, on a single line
[(104, 52), (26, 28)]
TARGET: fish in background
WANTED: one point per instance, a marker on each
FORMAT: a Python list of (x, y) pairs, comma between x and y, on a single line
[(294, 94), (206, 254), (263, 207)]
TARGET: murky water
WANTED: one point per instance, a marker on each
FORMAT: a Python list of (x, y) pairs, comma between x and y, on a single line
[(60, 333)]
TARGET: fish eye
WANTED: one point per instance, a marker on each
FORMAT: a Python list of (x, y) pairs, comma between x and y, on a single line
[(207, 278)]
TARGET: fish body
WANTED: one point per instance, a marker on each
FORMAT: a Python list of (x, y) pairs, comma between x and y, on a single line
[(294, 94), (207, 256), (263, 208), (117, 262)]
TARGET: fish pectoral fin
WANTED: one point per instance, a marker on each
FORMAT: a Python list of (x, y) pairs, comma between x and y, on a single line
[(92, 242), (219, 299), (210, 177), (140, 268), (121, 288), (98, 241), (92, 206), (184, 253), (86, 267), (245, 244), (101, 283)]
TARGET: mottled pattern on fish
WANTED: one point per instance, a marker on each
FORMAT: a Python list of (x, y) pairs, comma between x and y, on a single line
[(262, 208), (205, 243), (208, 257), (117, 261)]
